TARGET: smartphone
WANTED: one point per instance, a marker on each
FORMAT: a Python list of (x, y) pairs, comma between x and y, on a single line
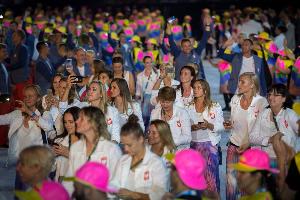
[(171, 20), (68, 64), (169, 70), (200, 123), (4, 98), (77, 79)]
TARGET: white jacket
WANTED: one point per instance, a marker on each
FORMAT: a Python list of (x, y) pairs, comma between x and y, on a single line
[(180, 125), (61, 162), (213, 116), (258, 104), (19, 139), (106, 152), (264, 128), (111, 116), (133, 108), (150, 176)]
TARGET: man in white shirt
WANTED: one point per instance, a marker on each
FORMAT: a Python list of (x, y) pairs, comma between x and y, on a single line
[(251, 26)]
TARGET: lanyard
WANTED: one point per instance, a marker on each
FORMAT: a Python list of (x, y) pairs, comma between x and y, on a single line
[(275, 122), (94, 149), (147, 84)]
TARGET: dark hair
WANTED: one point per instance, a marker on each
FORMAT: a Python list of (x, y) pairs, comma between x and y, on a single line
[(21, 34), (249, 40), (283, 91), (146, 57), (40, 45), (74, 111), (193, 74), (84, 38), (282, 28), (97, 118), (185, 40), (132, 127), (109, 74), (251, 15), (267, 181), (117, 59), (99, 65), (167, 93)]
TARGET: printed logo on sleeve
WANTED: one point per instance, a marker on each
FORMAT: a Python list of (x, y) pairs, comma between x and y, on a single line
[(146, 175)]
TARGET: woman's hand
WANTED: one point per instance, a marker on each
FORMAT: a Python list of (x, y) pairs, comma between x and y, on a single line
[(61, 150), (168, 196), (23, 108), (243, 148), (227, 124), (125, 194), (195, 127)]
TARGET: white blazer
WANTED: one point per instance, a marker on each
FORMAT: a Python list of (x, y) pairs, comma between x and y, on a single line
[(111, 116), (258, 104), (180, 125), (264, 128), (213, 116), (150, 176), (106, 152), (19, 139)]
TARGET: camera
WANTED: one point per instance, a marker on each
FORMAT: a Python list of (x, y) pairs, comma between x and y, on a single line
[(77, 79), (4, 98), (172, 19)]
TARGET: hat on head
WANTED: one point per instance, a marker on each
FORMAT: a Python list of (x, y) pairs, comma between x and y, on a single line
[(48, 190), (137, 39), (152, 41), (95, 175), (253, 160), (190, 166), (263, 36)]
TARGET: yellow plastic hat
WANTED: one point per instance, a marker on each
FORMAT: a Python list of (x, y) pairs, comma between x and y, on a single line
[(62, 29), (114, 36), (137, 39), (48, 30), (263, 36), (296, 107), (152, 41), (106, 27), (126, 22), (28, 20)]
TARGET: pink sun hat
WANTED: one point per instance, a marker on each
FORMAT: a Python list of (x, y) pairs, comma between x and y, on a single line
[(190, 166), (95, 175), (253, 160), (48, 190)]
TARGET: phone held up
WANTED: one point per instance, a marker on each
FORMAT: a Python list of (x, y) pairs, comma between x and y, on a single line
[(77, 79)]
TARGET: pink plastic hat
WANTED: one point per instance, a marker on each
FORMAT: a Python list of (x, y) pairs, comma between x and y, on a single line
[(49, 190), (253, 160), (190, 166), (95, 175)]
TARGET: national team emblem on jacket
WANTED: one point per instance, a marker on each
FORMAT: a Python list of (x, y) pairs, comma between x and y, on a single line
[(103, 160), (109, 121), (146, 175), (256, 111), (212, 115), (178, 124), (286, 124)]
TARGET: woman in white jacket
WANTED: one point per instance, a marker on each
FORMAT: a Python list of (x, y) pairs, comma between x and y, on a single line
[(97, 96), (122, 100), (245, 107), (176, 117), (140, 174), (95, 144), (276, 129), (62, 143), (207, 124), (26, 122)]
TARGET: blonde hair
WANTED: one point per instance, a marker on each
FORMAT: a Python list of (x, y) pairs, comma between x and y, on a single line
[(165, 134), (103, 99), (38, 155), (253, 79), (170, 67), (38, 93)]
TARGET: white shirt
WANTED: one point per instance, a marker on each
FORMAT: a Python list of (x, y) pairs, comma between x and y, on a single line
[(144, 84), (257, 105), (251, 26), (279, 41), (111, 116), (247, 65), (149, 177), (81, 70), (213, 116), (133, 108), (61, 162), (19, 136), (106, 152), (264, 128), (180, 125)]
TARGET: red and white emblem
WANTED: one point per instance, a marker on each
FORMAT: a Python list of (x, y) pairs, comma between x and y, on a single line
[(286, 124), (212, 115), (146, 175), (109, 121), (178, 124), (103, 160)]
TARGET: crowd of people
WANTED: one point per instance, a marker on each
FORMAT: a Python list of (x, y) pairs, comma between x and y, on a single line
[(103, 105)]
